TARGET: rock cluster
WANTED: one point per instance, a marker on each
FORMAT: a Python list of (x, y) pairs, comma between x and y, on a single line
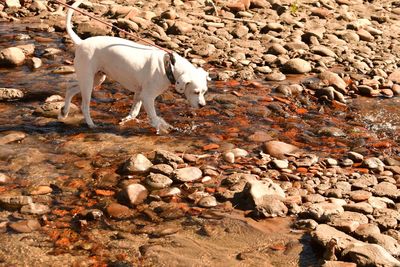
[(266, 39)]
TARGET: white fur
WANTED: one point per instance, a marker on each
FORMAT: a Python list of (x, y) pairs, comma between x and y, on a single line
[(137, 67)]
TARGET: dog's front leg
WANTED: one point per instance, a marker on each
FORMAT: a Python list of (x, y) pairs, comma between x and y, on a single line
[(157, 122), (137, 104)]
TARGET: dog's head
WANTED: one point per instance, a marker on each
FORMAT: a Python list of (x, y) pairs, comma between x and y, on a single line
[(191, 81), (193, 84)]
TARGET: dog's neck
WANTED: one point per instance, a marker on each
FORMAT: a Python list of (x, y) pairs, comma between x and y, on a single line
[(169, 72)]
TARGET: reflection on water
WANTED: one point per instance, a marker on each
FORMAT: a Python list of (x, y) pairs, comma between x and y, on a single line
[(381, 116)]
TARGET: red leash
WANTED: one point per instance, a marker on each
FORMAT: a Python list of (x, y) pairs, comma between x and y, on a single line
[(111, 25)]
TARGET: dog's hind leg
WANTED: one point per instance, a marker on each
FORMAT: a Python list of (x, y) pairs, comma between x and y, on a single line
[(137, 104), (71, 92), (86, 86)]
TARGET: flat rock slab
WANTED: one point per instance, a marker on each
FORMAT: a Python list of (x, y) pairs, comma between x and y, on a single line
[(188, 174)]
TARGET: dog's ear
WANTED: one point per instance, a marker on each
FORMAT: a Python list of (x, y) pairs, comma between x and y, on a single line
[(180, 84)]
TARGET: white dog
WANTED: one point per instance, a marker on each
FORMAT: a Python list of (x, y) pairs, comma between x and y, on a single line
[(145, 70)]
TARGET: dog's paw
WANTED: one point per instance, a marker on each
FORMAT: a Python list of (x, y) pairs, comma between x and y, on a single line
[(127, 119), (162, 126)]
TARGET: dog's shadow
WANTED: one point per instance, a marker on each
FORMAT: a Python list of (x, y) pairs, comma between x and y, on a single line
[(64, 130)]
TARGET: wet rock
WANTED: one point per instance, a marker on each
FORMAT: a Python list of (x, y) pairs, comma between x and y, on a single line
[(259, 136), (208, 202), (136, 193), (14, 202), (331, 131), (40, 190), (329, 93), (35, 208), (158, 181), (10, 94), (333, 79), (92, 214), (188, 174), (26, 226), (275, 76), (12, 56), (52, 109), (35, 62), (27, 49), (137, 164), (364, 254), (163, 156), (297, 66), (279, 149), (64, 70), (12, 137), (118, 211)]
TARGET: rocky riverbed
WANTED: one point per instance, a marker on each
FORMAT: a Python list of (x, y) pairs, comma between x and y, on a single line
[(293, 162)]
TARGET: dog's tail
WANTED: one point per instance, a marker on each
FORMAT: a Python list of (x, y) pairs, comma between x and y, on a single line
[(75, 38)]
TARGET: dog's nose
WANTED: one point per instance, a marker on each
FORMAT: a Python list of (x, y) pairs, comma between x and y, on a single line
[(202, 104)]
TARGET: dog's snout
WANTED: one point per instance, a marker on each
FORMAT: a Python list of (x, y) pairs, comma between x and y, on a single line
[(202, 104)]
